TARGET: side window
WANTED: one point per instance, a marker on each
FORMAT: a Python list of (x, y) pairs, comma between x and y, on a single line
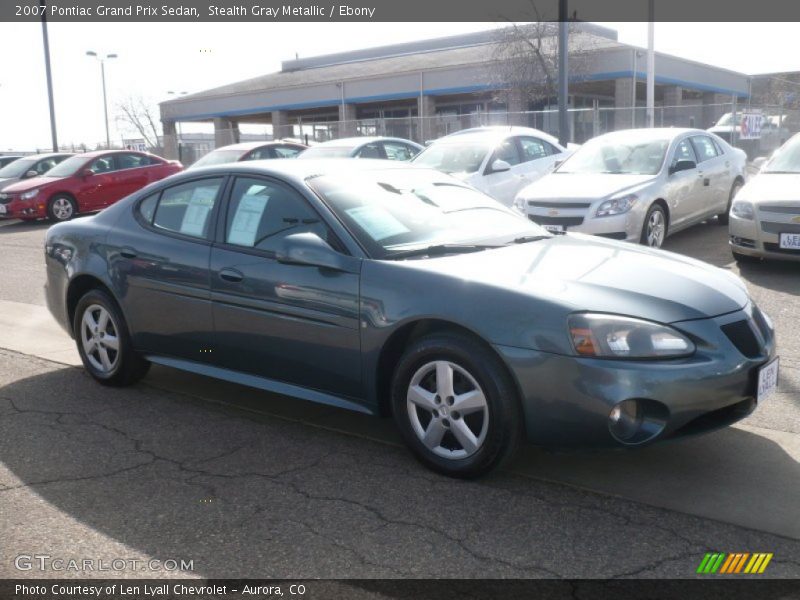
[(261, 213), (260, 153), (131, 161), (398, 151), (45, 165), (104, 164), (187, 208), (534, 148), (704, 148), (147, 207), (372, 150), (287, 151), (507, 151), (684, 151)]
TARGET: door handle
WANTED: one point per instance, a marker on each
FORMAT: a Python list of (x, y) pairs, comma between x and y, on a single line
[(707, 181), (128, 253), (231, 275)]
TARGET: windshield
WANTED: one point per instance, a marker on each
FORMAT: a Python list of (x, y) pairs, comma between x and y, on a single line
[(327, 152), (67, 167), (394, 211), (620, 155), (218, 157), (787, 160), (17, 168), (453, 157), (725, 120)]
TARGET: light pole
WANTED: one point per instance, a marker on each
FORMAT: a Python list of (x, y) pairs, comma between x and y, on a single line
[(180, 135), (103, 76)]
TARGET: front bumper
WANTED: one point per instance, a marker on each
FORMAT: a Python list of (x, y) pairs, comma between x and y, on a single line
[(567, 399), (626, 227), (760, 237), (14, 208)]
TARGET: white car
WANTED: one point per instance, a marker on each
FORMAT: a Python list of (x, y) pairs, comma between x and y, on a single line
[(638, 185), (382, 148), (765, 216), (498, 161)]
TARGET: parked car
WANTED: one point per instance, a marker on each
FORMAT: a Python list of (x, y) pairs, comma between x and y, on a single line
[(389, 289), (765, 216), (250, 151), (498, 161), (638, 185), (83, 183), (8, 159), (27, 167), (773, 133), (386, 148)]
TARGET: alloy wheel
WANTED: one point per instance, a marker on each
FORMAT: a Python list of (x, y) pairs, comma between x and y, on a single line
[(62, 209), (448, 409), (656, 229), (100, 339)]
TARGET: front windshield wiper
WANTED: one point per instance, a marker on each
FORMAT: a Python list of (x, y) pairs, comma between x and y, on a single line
[(534, 238), (783, 172), (440, 250)]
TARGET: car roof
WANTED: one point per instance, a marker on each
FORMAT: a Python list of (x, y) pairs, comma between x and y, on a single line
[(361, 140), (257, 144), (95, 153), (47, 155), (497, 132), (658, 133)]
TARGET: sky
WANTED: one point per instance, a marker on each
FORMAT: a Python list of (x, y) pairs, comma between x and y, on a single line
[(154, 59)]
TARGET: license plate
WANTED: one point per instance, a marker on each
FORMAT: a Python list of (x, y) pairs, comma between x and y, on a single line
[(2, 209), (790, 241), (554, 228), (767, 379)]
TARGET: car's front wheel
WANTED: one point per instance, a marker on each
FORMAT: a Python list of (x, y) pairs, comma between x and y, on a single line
[(654, 229), (104, 343), (456, 405), (723, 218), (61, 208)]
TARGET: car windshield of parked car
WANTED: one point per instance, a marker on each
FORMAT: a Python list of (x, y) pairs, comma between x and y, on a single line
[(218, 157), (17, 168), (68, 167), (327, 152), (617, 155), (454, 156), (395, 211), (725, 120), (787, 160)]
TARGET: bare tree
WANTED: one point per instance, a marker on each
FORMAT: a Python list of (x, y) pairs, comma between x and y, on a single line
[(134, 113)]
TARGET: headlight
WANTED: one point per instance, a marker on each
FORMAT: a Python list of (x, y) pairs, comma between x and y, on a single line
[(29, 195), (616, 206), (610, 336), (742, 209), (3, 196), (519, 204)]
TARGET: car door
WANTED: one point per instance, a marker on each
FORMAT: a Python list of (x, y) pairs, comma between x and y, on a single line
[(94, 189), (504, 185), (714, 172), (292, 323), (684, 190), (158, 261), (132, 174), (538, 158), (398, 150)]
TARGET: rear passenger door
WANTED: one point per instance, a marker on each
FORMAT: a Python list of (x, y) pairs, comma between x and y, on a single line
[(132, 173), (538, 158), (714, 175)]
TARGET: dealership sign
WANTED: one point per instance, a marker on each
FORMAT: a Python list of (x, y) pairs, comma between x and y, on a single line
[(751, 125)]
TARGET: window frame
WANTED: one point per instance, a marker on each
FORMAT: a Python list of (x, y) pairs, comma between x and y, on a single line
[(493, 156), (687, 139), (214, 224), (548, 147), (697, 152), (133, 152)]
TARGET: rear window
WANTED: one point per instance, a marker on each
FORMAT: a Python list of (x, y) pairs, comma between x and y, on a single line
[(186, 208)]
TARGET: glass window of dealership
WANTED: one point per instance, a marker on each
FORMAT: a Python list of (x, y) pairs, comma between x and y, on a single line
[(425, 89)]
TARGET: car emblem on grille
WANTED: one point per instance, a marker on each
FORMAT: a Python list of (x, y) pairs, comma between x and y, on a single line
[(552, 212), (796, 219)]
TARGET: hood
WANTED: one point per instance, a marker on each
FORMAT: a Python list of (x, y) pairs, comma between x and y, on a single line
[(29, 184), (7, 181), (585, 273), (771, 187), (589, 186)]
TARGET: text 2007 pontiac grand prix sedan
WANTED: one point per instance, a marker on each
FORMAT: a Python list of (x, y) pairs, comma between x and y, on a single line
[(399, 290)]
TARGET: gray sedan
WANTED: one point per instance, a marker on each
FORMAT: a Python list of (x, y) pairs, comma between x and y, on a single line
[(27, 167), (639, 185), (389, 289)]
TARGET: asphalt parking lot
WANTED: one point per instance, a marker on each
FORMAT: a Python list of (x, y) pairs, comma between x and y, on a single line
[(248, 484)]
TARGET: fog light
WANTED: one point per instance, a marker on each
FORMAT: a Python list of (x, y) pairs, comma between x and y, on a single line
[(637, 420)]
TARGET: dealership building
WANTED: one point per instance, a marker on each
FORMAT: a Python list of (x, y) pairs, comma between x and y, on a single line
[(421, 90)]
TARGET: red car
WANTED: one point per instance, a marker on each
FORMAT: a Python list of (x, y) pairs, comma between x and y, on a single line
[(83, 183)]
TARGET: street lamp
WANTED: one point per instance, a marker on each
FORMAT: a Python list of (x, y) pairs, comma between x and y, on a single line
[(103, 75), (180, 135)]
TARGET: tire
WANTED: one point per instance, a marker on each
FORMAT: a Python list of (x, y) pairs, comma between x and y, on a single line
[(97, 321), (655, 226), (61, 208), (723, 218), (745, 258), (494, 418)]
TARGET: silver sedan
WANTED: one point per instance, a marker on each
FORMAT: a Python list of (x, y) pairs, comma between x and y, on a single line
[(638, 185)]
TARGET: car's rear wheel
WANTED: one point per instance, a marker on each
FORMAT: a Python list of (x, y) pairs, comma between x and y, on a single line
[(104, 343), (723, 218), (456, 405), (654, 229), (61, 208)]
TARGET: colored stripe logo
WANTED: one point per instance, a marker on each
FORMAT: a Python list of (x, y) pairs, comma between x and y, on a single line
[(735, 563)]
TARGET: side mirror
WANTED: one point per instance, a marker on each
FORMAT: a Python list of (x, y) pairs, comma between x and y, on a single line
[(499, 166), (682, 165), (308, 249), (30, 174), (87, 173)]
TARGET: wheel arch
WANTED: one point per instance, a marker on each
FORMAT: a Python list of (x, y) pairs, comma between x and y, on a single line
[(78, 287)]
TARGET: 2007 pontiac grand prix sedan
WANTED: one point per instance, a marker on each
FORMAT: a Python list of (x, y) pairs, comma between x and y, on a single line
[(393, 289)]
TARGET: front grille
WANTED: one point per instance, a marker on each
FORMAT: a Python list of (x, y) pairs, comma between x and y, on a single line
[(743, 337), (770, 227), (781, 210), (565, 221), (769, 247), (546, 204)]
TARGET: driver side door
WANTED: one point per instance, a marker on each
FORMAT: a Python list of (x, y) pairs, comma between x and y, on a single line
[(504, 185), (684, 188)]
